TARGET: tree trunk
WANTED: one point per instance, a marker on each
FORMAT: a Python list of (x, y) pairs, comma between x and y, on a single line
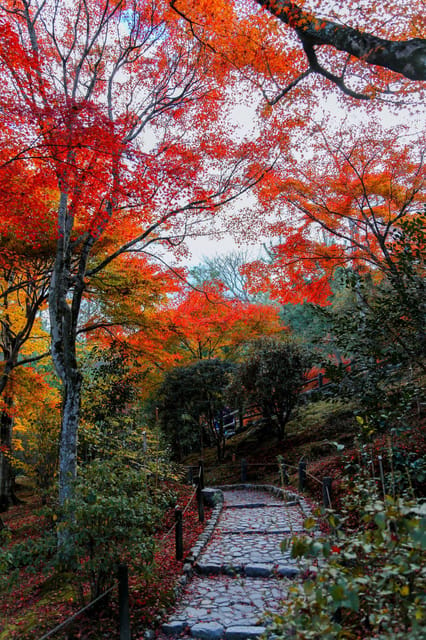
[(65, 295), (69, 436), (7, 497)]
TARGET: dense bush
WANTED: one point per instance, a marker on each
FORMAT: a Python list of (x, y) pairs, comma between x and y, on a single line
[(269, 379), (191, 401), (116, 510), (118, 502), (362, 582)]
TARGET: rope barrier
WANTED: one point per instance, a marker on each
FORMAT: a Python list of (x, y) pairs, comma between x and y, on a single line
[(261, 464), (184, 510), (190, 500), (66, 622), (169, 532), (271, 464), (313, 477), (275, 464)]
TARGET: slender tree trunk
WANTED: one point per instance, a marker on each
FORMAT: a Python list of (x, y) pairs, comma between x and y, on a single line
[(65, 296), (7, 496), (69, 435)]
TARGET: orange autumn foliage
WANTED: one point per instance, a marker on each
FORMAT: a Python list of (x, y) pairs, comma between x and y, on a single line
[(208, 324), (344, 210)]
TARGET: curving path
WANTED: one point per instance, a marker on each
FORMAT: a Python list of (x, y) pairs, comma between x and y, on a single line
[(241, 574)]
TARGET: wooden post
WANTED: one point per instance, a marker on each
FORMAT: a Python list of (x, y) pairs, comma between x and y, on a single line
[(243, 470), (190, 476), (326, 492), (320, 377), (179, 533), (123, 602), (302, 475), (382, 476), (201, 473), (144, 442), (284, 474), (200, 501)]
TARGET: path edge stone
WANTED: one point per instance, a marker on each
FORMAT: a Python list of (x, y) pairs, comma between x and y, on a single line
[(215, 499)]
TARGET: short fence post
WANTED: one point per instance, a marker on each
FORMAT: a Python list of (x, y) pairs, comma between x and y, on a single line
[(284, 474), (382, 476), (190, 476), (302, 475), (243, 470), (240, 419), (201, 473), (326, 492), (144, 442), (179, 533), (200, 501), (123, 602), (320, 378)]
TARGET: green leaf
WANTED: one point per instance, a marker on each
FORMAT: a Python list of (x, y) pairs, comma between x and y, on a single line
[(380, 520), (337, 592), (309, 523)]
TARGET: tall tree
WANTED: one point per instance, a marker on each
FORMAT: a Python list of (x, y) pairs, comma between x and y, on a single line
[(191, 400), (227, 269), (118, 106), (25, 266), (23, 293), (407, 57)]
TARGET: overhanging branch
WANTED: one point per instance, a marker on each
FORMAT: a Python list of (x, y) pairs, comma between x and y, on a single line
[(407, 57)]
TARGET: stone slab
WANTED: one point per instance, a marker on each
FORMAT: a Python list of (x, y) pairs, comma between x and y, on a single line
[(211, 496), (258, 570), (265, 519), (241, 550), (287, 571), (173, 627), (207, 631), (243, 632)]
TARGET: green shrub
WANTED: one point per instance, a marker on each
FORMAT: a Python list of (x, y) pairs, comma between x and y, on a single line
[(115, 510), (368, 582)]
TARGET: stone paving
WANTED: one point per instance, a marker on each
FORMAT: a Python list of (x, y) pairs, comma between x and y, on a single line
[(241, 575)]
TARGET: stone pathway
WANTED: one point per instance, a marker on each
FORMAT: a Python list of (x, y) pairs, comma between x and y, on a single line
[(241, 574)]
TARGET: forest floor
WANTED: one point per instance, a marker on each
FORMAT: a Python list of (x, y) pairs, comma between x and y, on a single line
[(322, 433), (40, 598)]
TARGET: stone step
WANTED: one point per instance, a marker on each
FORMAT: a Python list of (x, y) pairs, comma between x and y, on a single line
[(262, 532), (250, 570), (239, 551), (240, 577), (213, 631), (259, 505), (268, 520)]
